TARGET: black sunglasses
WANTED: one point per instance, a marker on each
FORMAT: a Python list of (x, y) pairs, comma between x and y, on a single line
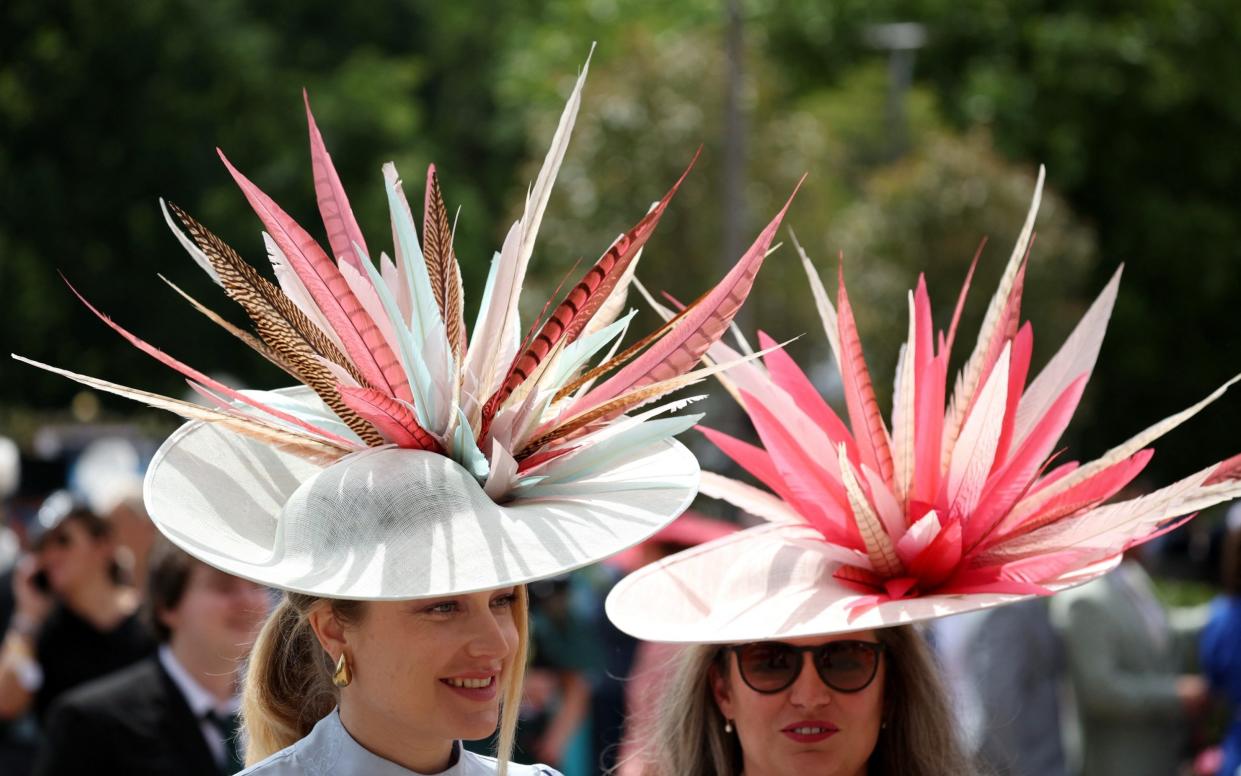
[(772, 666)]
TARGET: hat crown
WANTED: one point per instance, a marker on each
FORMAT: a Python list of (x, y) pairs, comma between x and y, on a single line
[(389, 499)]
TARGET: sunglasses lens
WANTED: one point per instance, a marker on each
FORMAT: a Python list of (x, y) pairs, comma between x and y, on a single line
[(768, 667), (848, 666)]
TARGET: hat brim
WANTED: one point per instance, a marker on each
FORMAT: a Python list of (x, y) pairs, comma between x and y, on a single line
[(773, 581), (219, 497)]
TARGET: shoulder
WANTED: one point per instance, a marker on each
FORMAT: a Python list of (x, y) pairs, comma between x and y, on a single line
[(282, 763), (116, 691), (481, 765)]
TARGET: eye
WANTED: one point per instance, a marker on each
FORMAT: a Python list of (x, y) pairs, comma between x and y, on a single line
[(504, 601), (444, 607)]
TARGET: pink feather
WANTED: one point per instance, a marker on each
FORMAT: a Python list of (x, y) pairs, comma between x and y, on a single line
[(342, 227), (1018, 368), (394, 419), (805, 478), (678, 350), (360, 336), (1009, 484), (928, 428), (792, 380), (215, 385), (864, 416)]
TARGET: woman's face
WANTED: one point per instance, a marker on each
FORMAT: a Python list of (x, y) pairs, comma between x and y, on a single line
[(71, 557), (436, 666), (807, 727)]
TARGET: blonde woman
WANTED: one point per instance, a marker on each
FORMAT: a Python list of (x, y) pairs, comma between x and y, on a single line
[(405, 492), (961, 504)]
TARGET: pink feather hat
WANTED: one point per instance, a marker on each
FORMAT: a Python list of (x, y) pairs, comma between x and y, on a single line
[(948, 510), (409, 459)]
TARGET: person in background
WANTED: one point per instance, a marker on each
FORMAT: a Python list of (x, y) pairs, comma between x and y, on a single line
[(75, 619), (1005, 666), (1220, 645), (175, 712), (1125, 658)]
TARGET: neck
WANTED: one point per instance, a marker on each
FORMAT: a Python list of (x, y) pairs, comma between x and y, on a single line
[(394, 743), (100, 602), (215, 672)]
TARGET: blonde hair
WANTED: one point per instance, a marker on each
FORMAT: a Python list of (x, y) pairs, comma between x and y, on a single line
[(918, 737), (288, 684)]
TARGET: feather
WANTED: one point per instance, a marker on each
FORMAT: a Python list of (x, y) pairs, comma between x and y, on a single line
[(819, 498), (281, 323), (342, 227), (975, 452), (615, 303), (502, 472), (442, 266), (1011, 482), (789, 378), (515, 255), (748, 498), (362, 339), (254, 343), (1084, 494), (197, 255), (965, 290), (903, 411), (1076, 357), (394, 418), (973, 371), (194, 374), (582, 301), (822, 302), (758, 462), (864, 415), (702, 326), (1131, 446), (876, 540), (313, 448)]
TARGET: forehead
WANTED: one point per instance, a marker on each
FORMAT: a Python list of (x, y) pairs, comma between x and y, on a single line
[(814, 641)]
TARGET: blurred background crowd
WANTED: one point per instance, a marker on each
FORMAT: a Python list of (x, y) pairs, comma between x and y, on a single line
[(921, 124)]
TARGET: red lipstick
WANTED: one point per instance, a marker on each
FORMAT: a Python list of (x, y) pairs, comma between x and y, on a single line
[(810, 731)]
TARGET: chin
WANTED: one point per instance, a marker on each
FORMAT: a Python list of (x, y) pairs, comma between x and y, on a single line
[(480, 727)]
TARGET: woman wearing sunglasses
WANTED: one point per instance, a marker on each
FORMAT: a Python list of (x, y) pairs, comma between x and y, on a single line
[(406, 492), (806, 659)]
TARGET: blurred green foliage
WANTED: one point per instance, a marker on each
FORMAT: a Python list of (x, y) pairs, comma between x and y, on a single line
[(105, 107)]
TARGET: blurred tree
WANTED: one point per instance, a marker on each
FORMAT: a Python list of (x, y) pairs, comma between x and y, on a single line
[(1135, 108)]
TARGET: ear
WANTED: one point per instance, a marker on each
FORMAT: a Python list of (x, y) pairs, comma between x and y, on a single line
[(328, 628), (721, 689)]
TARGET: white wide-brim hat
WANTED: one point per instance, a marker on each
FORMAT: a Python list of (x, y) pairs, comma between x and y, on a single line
[(390, 523), (770, 582)]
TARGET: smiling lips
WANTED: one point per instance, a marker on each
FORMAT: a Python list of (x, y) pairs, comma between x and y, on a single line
[(810, 731), (477, 688)]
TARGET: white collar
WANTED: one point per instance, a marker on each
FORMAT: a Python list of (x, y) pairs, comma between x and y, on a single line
[(200, 700)]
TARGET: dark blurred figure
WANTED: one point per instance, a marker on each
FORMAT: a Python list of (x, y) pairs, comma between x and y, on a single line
[(1126, 659), (1005, 666), (75, 619), (1220, 646), (176, 712), (556, 704)]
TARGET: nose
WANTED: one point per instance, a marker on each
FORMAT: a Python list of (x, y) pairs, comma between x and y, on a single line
[(809, 690), (488, 637)]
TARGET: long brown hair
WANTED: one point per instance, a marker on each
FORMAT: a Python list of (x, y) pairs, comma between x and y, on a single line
[(918, 738), (288, 686)]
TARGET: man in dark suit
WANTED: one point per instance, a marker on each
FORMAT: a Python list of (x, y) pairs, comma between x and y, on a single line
[(174, 713)]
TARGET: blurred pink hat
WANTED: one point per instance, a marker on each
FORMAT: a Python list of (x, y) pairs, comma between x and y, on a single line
[(958, 505)]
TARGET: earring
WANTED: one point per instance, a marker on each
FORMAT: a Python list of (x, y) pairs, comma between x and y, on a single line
[(728, 726), (343, 675)]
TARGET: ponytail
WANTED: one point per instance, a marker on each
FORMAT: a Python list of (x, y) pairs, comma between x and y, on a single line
[(288, 686)]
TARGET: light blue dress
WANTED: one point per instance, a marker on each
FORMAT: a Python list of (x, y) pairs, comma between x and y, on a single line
[(329, 750)]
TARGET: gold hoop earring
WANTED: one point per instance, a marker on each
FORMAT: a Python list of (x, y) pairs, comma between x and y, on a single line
[(728, 726), (343, 675)]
